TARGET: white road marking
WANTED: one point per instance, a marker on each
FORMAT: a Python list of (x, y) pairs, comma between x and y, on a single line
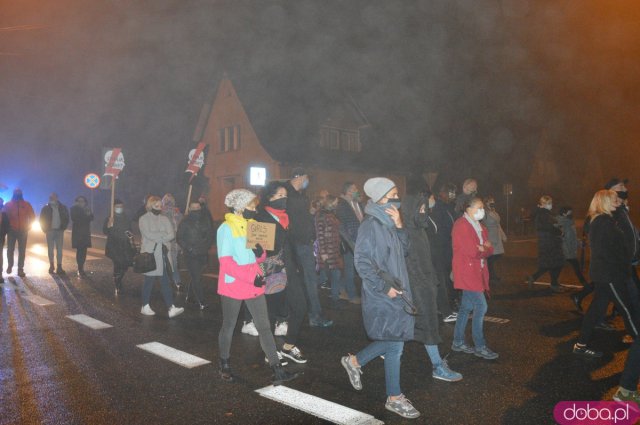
[(496, 320), (562, 284), (38, 300), (90, 322), (176, 356), (215, 276), (316, 406), (42, 251)]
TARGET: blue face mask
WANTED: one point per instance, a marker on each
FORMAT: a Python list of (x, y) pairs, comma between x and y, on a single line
[(396, 202), (305, 184)]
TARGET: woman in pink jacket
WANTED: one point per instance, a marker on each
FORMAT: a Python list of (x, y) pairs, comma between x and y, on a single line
[(471, 248), (240, 279)]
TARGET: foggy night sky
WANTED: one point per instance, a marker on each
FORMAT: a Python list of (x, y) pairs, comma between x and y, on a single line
[(468, 86)]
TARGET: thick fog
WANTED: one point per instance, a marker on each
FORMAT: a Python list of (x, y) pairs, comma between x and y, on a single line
[(495, 89)]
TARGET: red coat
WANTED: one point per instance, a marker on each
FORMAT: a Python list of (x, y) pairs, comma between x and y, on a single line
[(468, 273)]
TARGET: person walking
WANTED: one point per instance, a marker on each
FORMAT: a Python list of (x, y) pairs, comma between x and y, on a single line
[(550, 257), (4, 229), (20, 216), (118, 247), (81, 217), (157, 232), (609, 271), (174, 215), (241, 280), (497, 237), (54, 219), (302, 234), (471, 248), (329, 256), (195, 237), (350, 214), (380, 250), (423, 277)]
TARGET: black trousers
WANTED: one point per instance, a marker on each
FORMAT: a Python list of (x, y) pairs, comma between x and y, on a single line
[(12, 237), (81, 257), (604, 293), (553, 272), (119, 269), (196, 265)]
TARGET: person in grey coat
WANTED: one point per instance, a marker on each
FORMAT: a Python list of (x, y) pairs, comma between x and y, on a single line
[(157, 232), (380, 248), (497, 237), (570, 251)]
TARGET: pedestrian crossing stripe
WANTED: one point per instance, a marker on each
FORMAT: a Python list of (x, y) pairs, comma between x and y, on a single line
[(176, 356), (562, 284), (90, 322), (35, 299), (316, 406), (496, 320)]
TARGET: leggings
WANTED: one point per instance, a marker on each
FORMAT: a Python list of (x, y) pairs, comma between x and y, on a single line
[(258, 308)]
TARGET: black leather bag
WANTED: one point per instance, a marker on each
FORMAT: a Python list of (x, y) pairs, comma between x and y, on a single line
[(145, 262)]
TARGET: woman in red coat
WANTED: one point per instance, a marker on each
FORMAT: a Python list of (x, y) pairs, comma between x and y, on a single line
[(471, 248)]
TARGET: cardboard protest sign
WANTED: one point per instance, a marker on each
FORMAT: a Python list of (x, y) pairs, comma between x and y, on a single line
[(262, 233)]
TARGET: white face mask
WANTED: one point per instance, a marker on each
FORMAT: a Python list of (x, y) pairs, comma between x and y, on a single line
[(118, 210), (548, 206), (432, 203), (479, 215)]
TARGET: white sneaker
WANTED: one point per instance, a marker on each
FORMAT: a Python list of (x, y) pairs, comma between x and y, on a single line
[(146, 310), (281, 329), (249, 328), (175, 311)]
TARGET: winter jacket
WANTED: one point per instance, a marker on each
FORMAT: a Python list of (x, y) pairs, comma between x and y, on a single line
[(20, 214), (496, 234), (569, 237), (156, 231), (549, 240), (442, 215), (81, 227), (470, 271), (4, 225), (329, 241), (301, 226), (621, 216), (422, 274), (349, 222), (118, 247), (238, 265), (195, 234), (46, 217), (610, 255), (382, 247)]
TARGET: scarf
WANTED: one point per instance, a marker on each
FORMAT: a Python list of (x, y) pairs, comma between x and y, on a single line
[(478, 228), (377, 211), (237, 223), (280, 215)]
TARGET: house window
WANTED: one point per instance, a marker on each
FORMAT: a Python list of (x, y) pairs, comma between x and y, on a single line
[(338, 139), (229, 138)]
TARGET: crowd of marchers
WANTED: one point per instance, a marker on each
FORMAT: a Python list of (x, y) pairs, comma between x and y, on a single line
[(411, 263)]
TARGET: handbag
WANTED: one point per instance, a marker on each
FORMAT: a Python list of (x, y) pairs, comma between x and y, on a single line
[(275, 275), (145, 262)]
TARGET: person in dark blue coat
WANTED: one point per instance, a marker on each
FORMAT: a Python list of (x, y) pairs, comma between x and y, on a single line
[(381, 247)]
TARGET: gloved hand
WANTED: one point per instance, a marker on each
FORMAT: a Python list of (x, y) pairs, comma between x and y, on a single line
[(258, 250), (258, 282)]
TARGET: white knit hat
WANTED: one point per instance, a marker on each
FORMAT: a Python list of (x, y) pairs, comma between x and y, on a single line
[(238, 199), (377, 187)]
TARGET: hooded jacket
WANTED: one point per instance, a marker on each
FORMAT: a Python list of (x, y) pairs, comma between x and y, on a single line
[(20, 214)]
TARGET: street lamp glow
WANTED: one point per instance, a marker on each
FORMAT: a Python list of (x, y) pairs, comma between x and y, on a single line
[(257, 176)]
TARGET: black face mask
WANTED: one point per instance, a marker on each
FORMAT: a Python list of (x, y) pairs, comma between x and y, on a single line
[(155, 212), (279, 204), (622, 195), (249, 215)]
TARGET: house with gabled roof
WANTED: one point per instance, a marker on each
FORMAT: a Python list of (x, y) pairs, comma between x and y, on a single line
[(325, 133)]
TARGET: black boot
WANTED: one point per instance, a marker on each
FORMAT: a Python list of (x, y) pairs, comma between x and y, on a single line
[(52, 269), (225, 371), (117, 281), (280, 375)]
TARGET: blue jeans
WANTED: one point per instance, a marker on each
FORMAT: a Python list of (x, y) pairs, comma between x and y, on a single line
[(55, 239), (471, 302), (147, 287), (348, 277), (335, 276), (307, 262), (392, 351)]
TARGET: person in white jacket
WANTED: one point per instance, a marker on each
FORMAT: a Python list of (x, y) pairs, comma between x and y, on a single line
[(157, 232)]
